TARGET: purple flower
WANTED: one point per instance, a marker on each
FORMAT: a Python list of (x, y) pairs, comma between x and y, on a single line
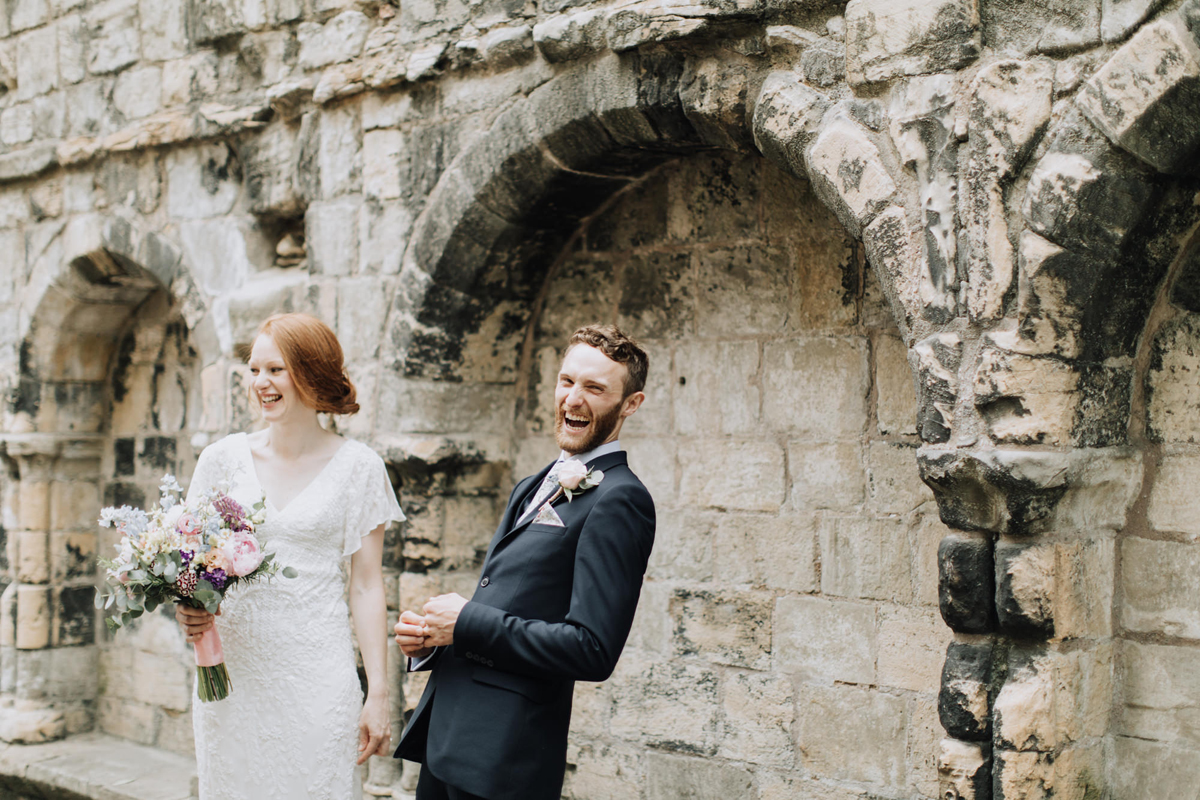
[(216, 577), (231, 511), (187, 556)]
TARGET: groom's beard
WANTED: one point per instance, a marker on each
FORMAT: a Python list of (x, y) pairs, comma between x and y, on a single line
[(601, 427)]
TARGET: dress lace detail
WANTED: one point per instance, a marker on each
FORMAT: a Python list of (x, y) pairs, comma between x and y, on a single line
[(289, 728)]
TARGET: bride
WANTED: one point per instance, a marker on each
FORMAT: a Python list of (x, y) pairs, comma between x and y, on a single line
[(295, 724)]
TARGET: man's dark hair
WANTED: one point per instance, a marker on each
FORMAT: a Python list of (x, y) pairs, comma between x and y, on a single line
[(610, 340)]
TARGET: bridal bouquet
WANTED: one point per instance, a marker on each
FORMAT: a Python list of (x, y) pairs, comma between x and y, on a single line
[(186, 552)]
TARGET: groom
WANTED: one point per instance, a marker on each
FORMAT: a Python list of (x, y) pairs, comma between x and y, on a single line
[(554, 602)]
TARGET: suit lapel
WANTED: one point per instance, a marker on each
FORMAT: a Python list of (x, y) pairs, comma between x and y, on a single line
[(509, 523)]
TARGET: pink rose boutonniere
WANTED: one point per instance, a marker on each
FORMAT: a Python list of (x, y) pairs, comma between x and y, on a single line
[(574, 476)]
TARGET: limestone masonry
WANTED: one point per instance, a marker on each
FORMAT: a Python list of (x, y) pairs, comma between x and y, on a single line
[(920, 283)]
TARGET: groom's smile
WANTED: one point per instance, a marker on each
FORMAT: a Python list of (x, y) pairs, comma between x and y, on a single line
[(589, 399)]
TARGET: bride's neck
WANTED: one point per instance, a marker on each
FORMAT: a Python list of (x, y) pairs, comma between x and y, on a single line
[(294, 438)]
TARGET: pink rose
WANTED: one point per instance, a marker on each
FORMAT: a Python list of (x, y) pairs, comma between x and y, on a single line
[(188, 525), (242, 554), (571, 474)]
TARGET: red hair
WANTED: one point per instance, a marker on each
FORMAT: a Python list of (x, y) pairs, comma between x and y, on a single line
[(314, 359)]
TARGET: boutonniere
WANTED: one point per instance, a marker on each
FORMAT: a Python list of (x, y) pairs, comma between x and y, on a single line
[(574, 476)]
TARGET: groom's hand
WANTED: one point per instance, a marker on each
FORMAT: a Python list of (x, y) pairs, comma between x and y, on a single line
[(441, 613), (410, 635)]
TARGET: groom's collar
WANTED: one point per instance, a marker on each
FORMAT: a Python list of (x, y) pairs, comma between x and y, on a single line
[(591, 455)]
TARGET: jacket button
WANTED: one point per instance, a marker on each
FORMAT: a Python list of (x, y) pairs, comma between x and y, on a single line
[(485, 581)]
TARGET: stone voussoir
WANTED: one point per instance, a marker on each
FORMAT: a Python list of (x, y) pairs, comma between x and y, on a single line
[(1143, 97)]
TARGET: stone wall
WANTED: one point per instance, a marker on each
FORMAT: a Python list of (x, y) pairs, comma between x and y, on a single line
[(791, 202), (788, 641)]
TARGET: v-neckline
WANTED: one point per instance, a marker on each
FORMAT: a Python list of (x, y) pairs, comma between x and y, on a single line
[(302, 492)]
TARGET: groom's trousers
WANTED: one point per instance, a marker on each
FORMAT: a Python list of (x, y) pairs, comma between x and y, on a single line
[(430, 788)]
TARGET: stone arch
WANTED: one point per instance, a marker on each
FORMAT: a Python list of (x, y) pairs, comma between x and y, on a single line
[(94, 286)]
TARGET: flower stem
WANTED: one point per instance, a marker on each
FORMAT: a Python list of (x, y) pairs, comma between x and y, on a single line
[(212, 683)]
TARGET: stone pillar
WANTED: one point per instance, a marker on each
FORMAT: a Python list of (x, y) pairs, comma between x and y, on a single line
[(48, 657), (1026, 582)]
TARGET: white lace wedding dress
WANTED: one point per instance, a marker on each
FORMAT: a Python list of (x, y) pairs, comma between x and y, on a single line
[(289, 728)]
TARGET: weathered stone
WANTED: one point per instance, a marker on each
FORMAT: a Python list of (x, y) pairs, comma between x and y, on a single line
[(1051, 699), (28, 162), (114, 38), (886, 40), (966, 581), (731, 628), (752, 478), (650, 21), (341, 39), (849, 174), (715, 389), (1170, 506), (331, 228), (825, 640), (1083, 205), (1056, 26), (964, 770), (203, 182), (745, 287), (566, 37), (826, 475), (890, 244), (896, 408), (1010, 106), (37, 63), (964, 706), (1140, 97), (163, 29), (851, 733), (675, 705), (1160, 584), (1026, 400), (893, 479), (865, 558), (601, 772), (216, 249), (912, 643), (16, 124), (1160, 687), (137, 91), (667, 777), (786, 118), (833, 391), (782, 555), (1118, 18), (1143, 767), (921, 126), (938, 360), (759, 712), (1025, 578), (715, 100)]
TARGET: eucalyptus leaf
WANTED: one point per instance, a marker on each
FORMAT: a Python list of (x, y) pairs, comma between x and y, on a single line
[(99, 600), (109, 600), (289, 572)]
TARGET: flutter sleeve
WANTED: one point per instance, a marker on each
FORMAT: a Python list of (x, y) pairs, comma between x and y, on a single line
[(208, 471), (376, 502)]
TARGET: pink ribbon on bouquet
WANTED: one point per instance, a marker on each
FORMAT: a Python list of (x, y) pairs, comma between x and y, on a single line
[(208, 649)]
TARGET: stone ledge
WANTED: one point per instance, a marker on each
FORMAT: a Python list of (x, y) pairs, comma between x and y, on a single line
[(95, 767)]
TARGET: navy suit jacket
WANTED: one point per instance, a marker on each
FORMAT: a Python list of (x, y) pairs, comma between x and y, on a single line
[(553, 605)]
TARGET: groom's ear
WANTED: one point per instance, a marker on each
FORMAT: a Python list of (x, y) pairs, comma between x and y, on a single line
[(632, 403)]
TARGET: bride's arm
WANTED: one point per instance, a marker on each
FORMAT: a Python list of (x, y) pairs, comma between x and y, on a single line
[(369, 609)]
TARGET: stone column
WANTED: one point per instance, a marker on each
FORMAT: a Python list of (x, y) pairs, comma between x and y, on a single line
[(48, 657), (1026, 582)]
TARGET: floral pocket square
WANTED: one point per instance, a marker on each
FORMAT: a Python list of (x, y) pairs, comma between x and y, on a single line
[(547, 516)]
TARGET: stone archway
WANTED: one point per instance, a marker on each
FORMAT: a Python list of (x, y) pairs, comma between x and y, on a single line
[(1020, 356), (87, 292)]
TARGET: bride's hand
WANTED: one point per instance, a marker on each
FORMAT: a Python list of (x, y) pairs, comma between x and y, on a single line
[(374, 729), (194, 621)]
